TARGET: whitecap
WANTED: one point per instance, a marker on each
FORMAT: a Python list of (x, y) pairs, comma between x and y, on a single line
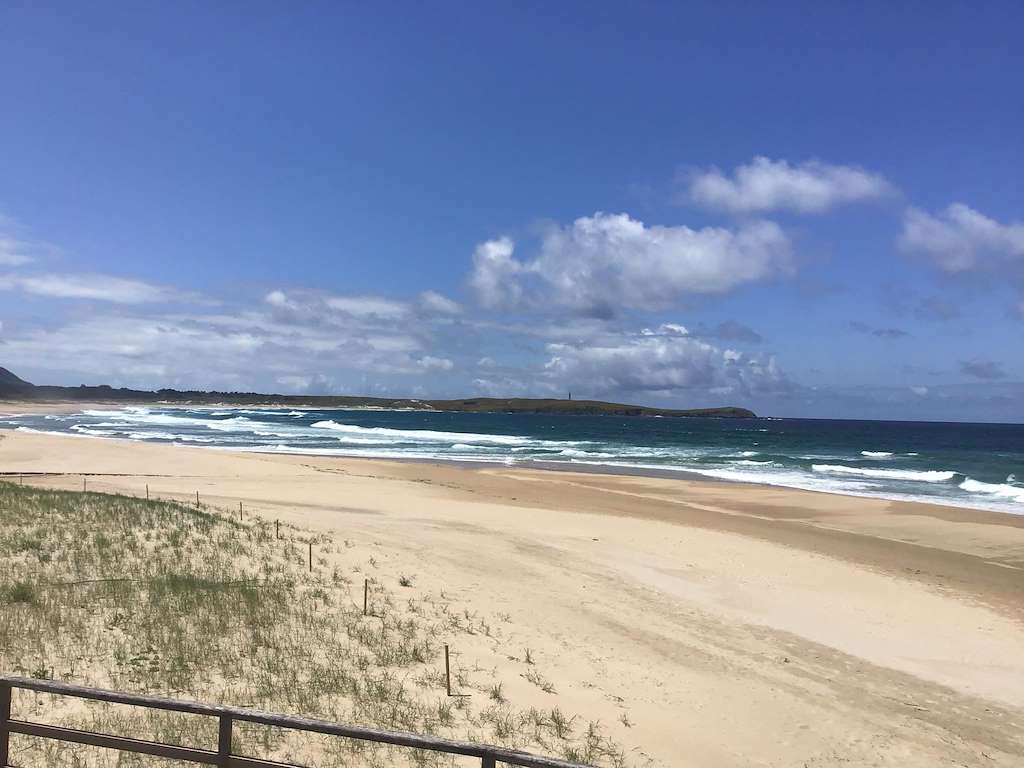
[(926, 476), (429, 435), (1013, 492)]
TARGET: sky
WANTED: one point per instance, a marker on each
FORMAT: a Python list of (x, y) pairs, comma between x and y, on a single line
[(808, 209)]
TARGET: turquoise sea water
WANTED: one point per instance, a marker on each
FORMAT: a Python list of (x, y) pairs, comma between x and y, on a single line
[(977, 465)]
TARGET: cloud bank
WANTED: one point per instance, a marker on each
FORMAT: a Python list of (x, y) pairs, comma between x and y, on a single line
[(664, 359)]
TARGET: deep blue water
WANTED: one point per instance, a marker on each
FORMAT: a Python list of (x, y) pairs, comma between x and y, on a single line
[(979, 465)]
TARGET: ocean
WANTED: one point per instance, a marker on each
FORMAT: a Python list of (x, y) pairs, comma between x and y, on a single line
[(972, 465)]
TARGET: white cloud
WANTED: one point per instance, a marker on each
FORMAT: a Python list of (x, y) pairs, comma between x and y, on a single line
[(508, 386), (495, 273), (306, 306), (960, 238), (277, 299), (367, 305), (773, 185), (665, 360), (293, 383), (14, 253), (316, 308), (249, 349), (605, 262), (434, 303), (117, 290), (431, 363)]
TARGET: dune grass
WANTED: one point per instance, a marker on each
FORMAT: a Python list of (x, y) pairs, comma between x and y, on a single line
[(171, 599)]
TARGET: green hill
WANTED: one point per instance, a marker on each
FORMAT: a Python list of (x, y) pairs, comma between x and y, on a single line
[(12, 387)]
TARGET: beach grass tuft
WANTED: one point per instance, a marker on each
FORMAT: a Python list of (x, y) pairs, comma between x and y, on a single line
[(172, 599)]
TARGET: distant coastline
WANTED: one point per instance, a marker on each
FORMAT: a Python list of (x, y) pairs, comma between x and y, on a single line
[(14, 388)]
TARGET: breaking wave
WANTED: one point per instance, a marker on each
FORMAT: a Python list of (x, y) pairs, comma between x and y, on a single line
[(1004, 490), (927, 476)]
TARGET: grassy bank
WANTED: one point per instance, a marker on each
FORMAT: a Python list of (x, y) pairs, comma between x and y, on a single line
[(163, 598)]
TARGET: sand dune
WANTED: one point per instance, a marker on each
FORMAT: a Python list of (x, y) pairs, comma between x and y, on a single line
[(705, 624)]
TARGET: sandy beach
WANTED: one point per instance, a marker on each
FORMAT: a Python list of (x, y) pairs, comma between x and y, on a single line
[(703, 623)]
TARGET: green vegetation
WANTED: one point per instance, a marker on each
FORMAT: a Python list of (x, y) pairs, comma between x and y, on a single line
[(162, 598), (13, 387)]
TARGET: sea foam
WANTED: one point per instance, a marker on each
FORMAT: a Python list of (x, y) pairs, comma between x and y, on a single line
[(417, 435), (926, 476), (1013, 492)]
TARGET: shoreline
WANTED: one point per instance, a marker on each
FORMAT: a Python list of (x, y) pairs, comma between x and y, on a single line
[(681, 606), (594, 467), (753, 503)]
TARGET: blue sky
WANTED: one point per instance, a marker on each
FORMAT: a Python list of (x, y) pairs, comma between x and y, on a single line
[(806, 210)]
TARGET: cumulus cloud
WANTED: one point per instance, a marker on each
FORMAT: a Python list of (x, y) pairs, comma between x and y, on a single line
[(665, 359), (605, 262), (117, 290), (774, 185), (960, 238), (495, 273), (982, 369)]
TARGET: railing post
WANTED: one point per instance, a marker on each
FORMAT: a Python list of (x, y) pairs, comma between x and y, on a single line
[(5, 717), (224, 741), (487, 762)]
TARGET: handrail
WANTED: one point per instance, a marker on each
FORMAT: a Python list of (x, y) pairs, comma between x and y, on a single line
[(226, 715)]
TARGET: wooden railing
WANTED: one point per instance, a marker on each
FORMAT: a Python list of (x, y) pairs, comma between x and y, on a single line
[(223, 755)]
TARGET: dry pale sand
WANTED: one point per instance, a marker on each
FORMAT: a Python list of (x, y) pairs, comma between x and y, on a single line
[(732, 625)]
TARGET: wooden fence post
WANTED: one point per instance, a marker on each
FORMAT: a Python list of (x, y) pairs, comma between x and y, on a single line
[(5, 716), (224, 741), (447, 671), (311, 557), (366, 596)]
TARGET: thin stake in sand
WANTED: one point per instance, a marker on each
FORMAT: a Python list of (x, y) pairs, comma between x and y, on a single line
[(447, 670), (311, 557), (366, 595)]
